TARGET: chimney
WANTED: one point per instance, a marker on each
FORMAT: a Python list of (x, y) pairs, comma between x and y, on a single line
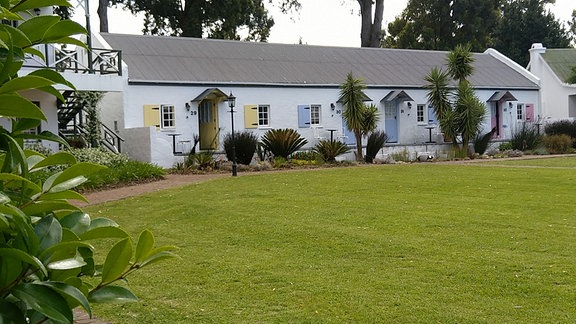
[(535, 51)]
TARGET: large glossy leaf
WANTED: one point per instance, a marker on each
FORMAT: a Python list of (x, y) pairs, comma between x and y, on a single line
[(55, 159), (67, 194), (23, 257), (4, 199), (49, 232), (71, 293), (19, 39), (144, 246), (35, 27), (53, 91), (10, 313), (25, 124), (54, 76), (39, 208), (157, 257), (35, 52), (64, 250), (75, 262), (69, 40), (62, 29), (104, 232), (78, 222), (9, 178), (31, 4), (117, 260), (45, 135), (44, 300), (112, 294), (102, 222), (81, 169), (15, 106), (15, 159), (24, 83)]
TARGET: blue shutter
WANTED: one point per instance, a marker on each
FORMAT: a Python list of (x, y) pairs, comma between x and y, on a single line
[(432, 119), (304, 116)]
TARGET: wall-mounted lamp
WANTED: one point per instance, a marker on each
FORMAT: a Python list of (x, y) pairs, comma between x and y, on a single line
[(510, 104), (409, 105), (332, 106), (187, 106)]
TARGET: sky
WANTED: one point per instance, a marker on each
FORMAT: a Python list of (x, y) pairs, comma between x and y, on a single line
[(319, 22)]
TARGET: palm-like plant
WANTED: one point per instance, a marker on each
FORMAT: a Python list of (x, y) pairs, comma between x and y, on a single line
[(329, 150), (460, 63), (376, 141), (352, 97), (469, 113), (282, 142)]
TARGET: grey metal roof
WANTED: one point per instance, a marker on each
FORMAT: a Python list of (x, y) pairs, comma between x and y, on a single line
[(208, 61)]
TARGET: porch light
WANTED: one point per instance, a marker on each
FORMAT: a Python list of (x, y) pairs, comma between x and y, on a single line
[(231, 103)]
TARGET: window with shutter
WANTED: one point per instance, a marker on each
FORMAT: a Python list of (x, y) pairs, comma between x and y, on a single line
[(250, 116), (152, 115)]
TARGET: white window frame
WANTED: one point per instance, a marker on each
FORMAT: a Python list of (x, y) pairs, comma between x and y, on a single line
[(263, 115), (420, 114), (315, 115), (520, 112), (167, 117)]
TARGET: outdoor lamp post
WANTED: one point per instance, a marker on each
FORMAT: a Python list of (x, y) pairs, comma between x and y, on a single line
[(231, 104)]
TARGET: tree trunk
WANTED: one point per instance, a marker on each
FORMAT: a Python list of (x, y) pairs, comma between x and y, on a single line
[(103, 15), (371, 31), (359, 156), (191, 18)]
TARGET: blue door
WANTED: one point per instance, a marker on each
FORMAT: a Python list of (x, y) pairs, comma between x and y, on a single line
[(391, 121), (349, 138)]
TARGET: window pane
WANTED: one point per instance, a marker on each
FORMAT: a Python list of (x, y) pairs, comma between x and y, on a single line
[(315, 115), (420, 113), (263, 115)]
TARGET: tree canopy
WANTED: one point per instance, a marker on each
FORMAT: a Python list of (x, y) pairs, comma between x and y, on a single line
[(510, 26)]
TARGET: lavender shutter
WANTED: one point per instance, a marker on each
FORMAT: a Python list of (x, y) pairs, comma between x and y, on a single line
[(304, 116)]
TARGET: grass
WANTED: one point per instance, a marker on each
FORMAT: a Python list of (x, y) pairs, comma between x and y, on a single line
[(395, 243)]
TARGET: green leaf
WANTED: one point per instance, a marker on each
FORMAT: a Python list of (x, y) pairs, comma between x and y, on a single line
[(39, 208), (14, 180), (67, 264), (10, 313), (36, 27), (117, 261), (45, 135), (104, 232), (64, 250), (31, 4), (112, 294), (157, 257), (53, 91), (78, 222), (68, 184), (81, 169), (103, 222), (144, 246), (25, 124), (44, 300), (63, 195), (71, 293), (49, 232), (23, 257), (55, 159), (15, 106), (24, 83), (62, 29), (70, 41), (19, 39), (4, 199), (34, 52), (54, 76)]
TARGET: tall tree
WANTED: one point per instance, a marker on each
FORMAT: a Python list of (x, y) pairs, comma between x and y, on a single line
[(525, 22), (371, 30), (441, 25)]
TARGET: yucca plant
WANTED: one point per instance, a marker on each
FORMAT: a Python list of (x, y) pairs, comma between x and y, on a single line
[(245, 143), (329, 150), (282, 142), (376, 141), (481, 142)]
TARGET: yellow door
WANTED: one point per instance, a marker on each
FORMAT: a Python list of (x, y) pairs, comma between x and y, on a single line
[(208, 124)]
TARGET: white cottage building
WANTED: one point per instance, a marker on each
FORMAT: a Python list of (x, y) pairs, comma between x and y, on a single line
[(553, 67), (175, 88)]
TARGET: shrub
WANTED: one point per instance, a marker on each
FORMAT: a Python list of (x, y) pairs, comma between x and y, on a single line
[(376, 141), (526, 138), (505, 146), (558, 144), (329, 150), (566, 127), (305, 156), (282, 142), (246, 143), (203, 160), (481, 142), (99, 156), (128, 172)]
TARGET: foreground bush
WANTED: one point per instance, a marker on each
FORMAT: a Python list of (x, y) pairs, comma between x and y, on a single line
[(282, 142), (246, 143), (48, 261), (558, 144)]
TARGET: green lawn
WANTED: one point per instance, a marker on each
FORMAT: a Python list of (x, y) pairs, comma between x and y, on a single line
[(393, 243)]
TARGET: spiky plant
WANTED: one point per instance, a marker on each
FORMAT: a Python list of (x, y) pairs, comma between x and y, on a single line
[(245, 143), (329, 150), (481, 142), (376, 141), (282, 142)]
